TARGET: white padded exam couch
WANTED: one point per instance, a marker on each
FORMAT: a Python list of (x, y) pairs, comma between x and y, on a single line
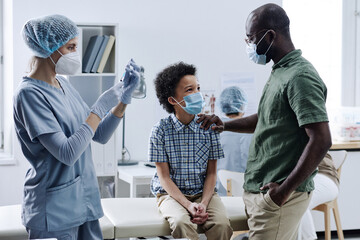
[(11, 227), (123, 217)]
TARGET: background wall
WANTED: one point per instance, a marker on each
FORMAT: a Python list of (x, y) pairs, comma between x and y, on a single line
[(207, 33)]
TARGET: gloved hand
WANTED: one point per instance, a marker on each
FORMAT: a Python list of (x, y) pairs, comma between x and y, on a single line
[(131, 80), (107, 100)]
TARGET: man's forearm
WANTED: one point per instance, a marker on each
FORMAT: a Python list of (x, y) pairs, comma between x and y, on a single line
[(242, 125), (312, 155)]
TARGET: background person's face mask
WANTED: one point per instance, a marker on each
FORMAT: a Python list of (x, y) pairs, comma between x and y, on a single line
[(253, 55), (68, 64), (194, 103)]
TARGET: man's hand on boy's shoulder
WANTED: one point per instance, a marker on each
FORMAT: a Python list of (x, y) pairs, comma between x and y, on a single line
[(207, 120)]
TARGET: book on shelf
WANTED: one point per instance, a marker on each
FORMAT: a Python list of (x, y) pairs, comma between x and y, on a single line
[(106, 54), (91, 51), (100, 54)]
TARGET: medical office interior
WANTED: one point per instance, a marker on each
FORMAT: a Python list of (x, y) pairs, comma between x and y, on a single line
[(208, 34)]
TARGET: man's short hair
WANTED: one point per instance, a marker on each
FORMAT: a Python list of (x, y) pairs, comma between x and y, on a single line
[(167, 80)]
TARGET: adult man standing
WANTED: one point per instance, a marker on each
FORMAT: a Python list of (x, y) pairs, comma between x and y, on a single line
[(291, 132)]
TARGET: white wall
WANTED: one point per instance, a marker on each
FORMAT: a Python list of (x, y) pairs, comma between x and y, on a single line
[(207, 33)]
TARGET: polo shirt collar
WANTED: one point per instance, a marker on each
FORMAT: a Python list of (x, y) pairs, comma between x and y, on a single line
[(287, 58), (179, 125)]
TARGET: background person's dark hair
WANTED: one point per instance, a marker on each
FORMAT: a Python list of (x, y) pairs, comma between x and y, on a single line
[(167, 80), (272, 16)]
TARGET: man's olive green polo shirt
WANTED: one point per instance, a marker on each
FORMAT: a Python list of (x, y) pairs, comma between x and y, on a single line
[(293, 96)]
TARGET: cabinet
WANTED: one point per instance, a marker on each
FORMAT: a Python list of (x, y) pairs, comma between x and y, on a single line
[(92, 85)]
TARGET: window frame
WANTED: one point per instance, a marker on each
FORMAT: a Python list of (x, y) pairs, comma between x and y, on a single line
[(6, 88), (350, 58), (356, 14), (1, 79)]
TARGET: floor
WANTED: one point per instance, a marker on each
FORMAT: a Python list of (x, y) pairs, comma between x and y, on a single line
[(349, 235), (355, 235), (347, 238), (352, 235)]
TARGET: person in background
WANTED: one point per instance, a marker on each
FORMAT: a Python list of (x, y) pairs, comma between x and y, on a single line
[(326, 189), (185, 157), (212, 103), (233, 102), (291, 129), (55, 127)]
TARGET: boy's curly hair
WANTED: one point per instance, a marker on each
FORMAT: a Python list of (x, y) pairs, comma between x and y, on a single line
[(167, 80)]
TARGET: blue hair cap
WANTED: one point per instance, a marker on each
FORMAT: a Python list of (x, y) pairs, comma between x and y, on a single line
[(233, 100), (47, 34)]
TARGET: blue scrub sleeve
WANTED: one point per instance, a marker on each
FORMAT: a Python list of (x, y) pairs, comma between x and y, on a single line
[(67, 150), (106, 128), (36, 113)]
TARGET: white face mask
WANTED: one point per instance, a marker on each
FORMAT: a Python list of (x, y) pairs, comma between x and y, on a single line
[(253, 55), (68, 64)]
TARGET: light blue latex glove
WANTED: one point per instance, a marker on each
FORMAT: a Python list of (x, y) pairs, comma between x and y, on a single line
[(131, 80), (107, 100)]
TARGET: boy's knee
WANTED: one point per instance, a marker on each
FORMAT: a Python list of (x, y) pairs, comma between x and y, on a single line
[(223, 226), (219, 230), (182, 227), (182, 222)]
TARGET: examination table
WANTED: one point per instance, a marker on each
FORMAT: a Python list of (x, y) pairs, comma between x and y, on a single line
[(123, 217)]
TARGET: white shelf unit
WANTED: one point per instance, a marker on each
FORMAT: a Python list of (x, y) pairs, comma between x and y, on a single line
[(92, 85)]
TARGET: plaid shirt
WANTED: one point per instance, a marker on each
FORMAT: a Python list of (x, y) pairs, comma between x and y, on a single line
[(187, 149)]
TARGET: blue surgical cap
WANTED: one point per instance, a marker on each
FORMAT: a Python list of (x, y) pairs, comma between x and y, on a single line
[(233, 100), (47, 34)]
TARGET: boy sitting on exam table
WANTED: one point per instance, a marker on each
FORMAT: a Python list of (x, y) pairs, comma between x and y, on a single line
[(185, 156)]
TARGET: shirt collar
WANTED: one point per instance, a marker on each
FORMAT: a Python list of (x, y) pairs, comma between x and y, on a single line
[(287, 58), (179, 125)]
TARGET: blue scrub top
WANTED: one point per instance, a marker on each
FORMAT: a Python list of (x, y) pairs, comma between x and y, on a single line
[(236, 149), (56, 196)]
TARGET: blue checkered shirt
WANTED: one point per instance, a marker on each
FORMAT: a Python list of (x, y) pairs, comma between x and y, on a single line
[(187, 149)]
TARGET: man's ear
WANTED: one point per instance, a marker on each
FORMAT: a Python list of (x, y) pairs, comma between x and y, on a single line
[(271, 35), (171, 101)]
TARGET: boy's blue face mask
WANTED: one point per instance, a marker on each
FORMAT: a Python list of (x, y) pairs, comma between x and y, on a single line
[(194, 103)]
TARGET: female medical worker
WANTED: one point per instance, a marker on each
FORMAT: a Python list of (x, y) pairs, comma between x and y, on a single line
[(55, 126), (233, 102)]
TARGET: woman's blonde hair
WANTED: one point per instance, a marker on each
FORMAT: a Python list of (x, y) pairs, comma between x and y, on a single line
[(32, 62)]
